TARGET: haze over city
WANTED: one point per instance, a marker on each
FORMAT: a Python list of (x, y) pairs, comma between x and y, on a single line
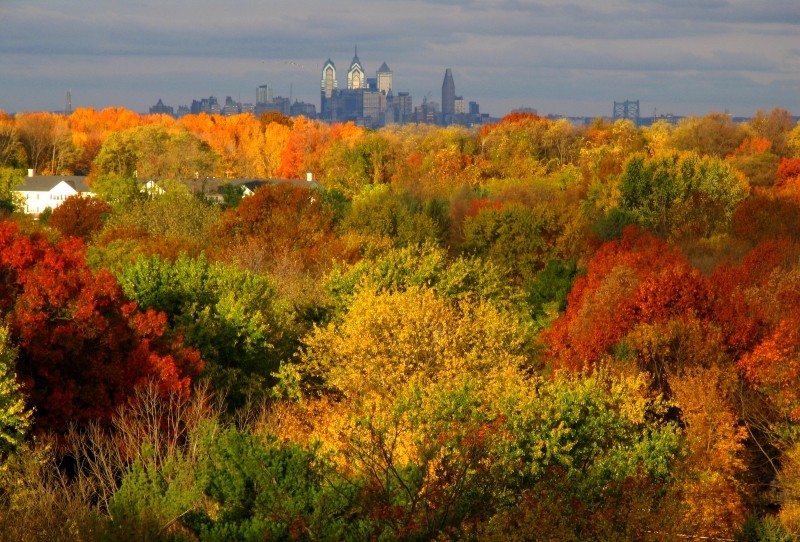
[(572, 58)]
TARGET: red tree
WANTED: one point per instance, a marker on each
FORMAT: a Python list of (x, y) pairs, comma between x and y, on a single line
[(637, 279), (79, 216), (83, 348)]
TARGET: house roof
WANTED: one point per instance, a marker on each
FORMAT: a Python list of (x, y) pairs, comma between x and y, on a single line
[(45, 183), (252, 184)]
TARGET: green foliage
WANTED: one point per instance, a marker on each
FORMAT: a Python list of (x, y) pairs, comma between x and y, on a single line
[(10, 179), (264, 490), (402, 219), (549, 290), (233, 317), (173, 215), (425, 266), (680, 194), (152, 497), (518, 238), (231, 195), (155, 152), (120, 191), (15, 418), (609, 226)]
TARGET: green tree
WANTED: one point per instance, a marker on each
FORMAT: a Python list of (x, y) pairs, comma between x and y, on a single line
[(518, 238), (681, 194), (15, 417), (233, 317), (399, 218)]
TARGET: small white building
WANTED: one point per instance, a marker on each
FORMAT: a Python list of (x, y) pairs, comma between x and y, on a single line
[(40, 192)]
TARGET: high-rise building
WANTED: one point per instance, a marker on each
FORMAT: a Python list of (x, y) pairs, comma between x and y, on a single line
[(384, 79), (264, 95), (327, 89), (355, 75), (448, 97), (460, 109)]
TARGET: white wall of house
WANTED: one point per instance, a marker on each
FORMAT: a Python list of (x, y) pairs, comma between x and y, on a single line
[(38, 201)]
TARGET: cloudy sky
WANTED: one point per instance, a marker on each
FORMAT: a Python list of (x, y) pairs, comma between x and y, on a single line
[(571, 57)]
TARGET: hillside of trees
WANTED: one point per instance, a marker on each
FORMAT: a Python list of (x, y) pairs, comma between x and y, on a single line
[(530, 331)]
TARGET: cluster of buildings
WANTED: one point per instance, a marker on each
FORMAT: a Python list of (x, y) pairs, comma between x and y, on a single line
[(366, 101)]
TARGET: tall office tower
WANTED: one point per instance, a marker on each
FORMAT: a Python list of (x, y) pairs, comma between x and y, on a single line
[(384, 75), (264, 94), (355, 75), (448, 97), (327, 87)]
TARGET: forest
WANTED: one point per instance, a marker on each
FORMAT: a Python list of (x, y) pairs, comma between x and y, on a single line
[(527, 331)]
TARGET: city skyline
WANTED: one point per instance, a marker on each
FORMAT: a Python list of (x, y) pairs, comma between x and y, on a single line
[(577, 58)]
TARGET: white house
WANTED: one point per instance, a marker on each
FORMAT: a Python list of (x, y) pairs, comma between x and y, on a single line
[(39, 191)]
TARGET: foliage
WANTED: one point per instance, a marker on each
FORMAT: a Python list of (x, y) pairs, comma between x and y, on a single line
[(155, 152), (401, 219), (15, 417), (82, 346), (232, 317), (681, 194), (79, 216), (518, 238), (423, 266), (635, 280)]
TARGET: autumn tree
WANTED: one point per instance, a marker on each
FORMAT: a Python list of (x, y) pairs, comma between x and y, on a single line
[(715, 134), (79, 216), (399, 219), (775, 127), (82, 346), (636, 280), (10, 144), (518, 238), (155, 152), (47, 142), (280, 224)]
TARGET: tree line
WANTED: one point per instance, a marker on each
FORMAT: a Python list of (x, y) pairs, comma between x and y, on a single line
[(529, 331)]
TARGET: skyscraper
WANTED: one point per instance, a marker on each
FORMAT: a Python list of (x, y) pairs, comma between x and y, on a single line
[(327, 87), (264, 94), (384, 76), (448, 97), (355, 75)]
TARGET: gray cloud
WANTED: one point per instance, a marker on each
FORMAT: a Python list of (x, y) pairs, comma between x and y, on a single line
[(568, 57)]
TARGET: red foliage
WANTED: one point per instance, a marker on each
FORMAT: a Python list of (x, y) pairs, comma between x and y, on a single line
[(79, 216), (638, 279), (766, 215), (788, 171), (83, 347), (750, 298), (478, 204)]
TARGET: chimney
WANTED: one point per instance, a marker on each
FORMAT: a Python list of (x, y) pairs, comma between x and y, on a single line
[(31, 173), (309, 176)]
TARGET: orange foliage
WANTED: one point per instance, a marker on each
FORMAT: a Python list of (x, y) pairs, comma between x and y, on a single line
[(788, 171), (752, 145), (710, 484), (282, 220)]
